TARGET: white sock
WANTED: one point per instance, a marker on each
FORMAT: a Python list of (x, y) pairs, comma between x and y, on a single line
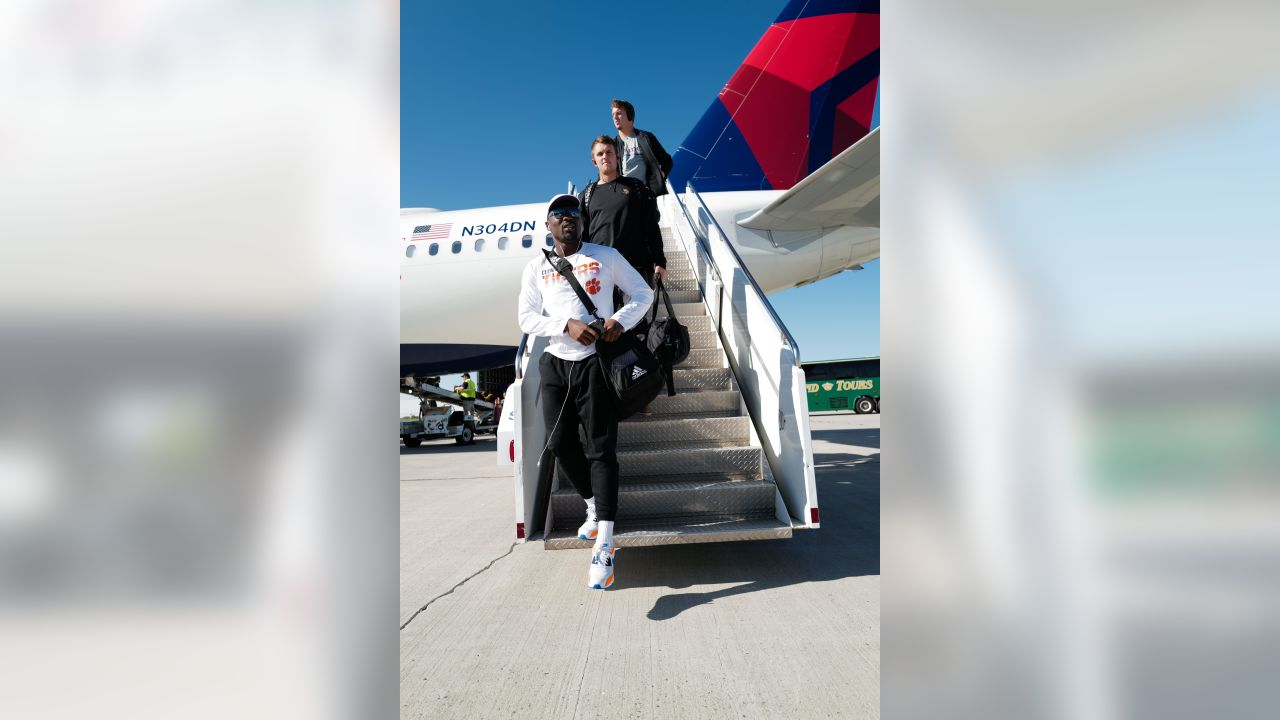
[(606, 533), (591, 508)]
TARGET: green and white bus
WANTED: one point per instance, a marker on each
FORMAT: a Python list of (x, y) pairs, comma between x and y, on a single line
[(844, 384)]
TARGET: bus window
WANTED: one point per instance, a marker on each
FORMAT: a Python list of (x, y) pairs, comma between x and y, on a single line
[(435, 248), (479, 244), (502, 243), (527, 241), (457, 246), (844, 385), (408, 252)]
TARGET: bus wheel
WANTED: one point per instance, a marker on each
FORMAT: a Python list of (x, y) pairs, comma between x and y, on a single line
[(864, 405)]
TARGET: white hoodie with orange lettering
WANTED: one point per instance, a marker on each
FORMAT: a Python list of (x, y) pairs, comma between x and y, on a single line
[(547, 301)]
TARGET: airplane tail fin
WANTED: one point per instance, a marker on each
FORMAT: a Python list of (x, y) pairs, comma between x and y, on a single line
[(806, 91)]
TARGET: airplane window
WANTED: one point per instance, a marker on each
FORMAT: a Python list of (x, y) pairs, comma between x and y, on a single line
[(457, 246), (550, 242), (408, 252), (527, 241), (502, 243), (479, 244), (435, 248)]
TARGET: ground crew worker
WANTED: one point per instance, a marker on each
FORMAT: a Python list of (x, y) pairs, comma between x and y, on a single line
[(467, 390), (574, 391)]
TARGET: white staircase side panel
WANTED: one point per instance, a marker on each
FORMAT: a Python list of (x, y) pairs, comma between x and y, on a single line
[(759, 352), (533, 436)]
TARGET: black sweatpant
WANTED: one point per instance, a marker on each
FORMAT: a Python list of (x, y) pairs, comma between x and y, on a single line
[(579, 388)]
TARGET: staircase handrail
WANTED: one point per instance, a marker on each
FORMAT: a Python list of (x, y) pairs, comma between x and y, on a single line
[(724, 238)]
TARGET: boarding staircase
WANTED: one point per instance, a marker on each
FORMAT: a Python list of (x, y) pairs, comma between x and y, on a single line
[(703, 466)]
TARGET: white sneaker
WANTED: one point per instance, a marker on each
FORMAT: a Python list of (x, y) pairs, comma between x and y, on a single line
[(601, 576), (589, 529)]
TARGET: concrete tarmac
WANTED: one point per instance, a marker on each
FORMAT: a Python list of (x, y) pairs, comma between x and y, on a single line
[(494, 629)]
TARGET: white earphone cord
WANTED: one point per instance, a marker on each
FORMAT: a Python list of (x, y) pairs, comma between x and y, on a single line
[(568, 393)]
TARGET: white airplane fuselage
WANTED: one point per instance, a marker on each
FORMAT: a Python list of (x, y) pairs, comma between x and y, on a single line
[(466, 291)]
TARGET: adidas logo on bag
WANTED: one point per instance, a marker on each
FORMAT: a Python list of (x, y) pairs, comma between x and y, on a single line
[(636, 372)]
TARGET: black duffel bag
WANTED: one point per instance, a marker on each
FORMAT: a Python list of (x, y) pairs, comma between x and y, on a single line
[(667, 339), (631, 371), (629, 367)]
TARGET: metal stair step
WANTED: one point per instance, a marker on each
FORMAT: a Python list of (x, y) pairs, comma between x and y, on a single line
[(658, 465), (648, 534), (684, 309), (677, 258), (695, 323), (685, 296), (711, 403), (680, 282), (702, 379), (705, 358), (675, 283), (674, 501), (702, 340), (692, 432)]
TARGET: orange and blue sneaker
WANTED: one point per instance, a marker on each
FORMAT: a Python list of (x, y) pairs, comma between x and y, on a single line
[(590, 528), (601, 575)]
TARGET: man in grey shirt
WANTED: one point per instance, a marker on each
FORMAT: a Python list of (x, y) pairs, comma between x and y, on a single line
[(641, 155)]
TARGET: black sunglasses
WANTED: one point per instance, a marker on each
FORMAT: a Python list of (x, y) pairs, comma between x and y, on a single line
[(561, 212)]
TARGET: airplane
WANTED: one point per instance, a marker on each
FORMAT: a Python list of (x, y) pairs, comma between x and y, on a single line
[(787, 159)]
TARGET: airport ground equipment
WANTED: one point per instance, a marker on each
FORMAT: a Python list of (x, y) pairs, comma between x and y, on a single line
[(443, 422), (438, 423), (729, 457)]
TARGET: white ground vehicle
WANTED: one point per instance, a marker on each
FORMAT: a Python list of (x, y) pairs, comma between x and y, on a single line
[(445, 423)]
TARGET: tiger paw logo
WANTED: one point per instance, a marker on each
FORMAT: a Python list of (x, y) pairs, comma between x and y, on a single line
[(593, 286)]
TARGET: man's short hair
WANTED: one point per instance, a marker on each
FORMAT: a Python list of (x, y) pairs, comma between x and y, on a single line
[(600, 139), (626, 107)]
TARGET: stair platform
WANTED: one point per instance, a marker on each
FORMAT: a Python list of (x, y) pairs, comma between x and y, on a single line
[(678, 533), (674, 501)]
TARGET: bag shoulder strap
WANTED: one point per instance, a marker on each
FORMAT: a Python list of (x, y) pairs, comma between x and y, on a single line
[(586, 196), (563, 267), (660, 289)]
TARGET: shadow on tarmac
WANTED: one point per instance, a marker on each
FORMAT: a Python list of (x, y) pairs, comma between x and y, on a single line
[(847, 544), (860, 437), (484, 443)]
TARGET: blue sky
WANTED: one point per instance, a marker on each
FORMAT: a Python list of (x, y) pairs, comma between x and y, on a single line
[(1157, 218), (499, 102)]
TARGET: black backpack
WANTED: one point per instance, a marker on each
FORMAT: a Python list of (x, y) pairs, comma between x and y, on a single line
[(630, 369), (667, 339)]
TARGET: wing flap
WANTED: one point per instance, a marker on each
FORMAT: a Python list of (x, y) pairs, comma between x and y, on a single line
[(843, 192)]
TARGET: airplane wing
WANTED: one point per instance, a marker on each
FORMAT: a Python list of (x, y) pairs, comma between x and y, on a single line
[(843, 192)]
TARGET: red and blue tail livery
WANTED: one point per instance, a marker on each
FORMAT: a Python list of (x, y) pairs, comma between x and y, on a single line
[(808, 90)]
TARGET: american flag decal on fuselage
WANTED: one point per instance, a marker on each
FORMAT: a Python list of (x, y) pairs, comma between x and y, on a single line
[(431, 232)]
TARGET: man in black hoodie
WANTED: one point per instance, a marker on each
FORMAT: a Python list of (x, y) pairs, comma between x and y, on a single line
[(641, 155)]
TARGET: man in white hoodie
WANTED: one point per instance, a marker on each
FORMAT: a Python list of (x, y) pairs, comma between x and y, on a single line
[(574, 389)]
